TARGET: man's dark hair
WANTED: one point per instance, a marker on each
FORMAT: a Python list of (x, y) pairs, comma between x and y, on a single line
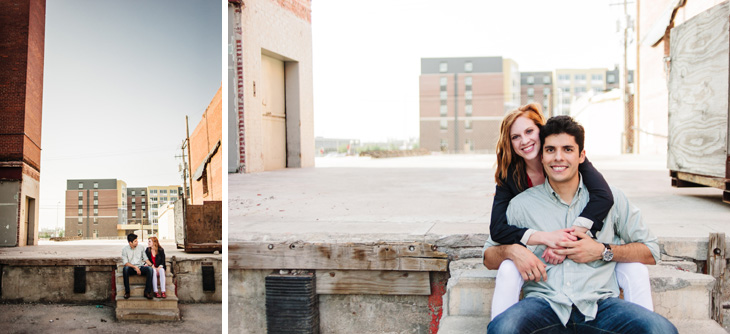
[(131, 237), (563, 124)]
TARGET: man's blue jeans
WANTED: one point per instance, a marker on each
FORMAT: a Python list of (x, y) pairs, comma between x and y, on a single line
[(145, 270), (534, 315)]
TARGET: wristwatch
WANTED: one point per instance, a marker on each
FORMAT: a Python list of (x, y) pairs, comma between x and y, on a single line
[(607, 253)]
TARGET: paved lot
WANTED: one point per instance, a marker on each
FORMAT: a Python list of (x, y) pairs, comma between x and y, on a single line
[(55, 318), (421, 198)]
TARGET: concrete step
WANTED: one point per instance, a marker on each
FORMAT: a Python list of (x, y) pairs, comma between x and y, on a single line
[(148, 314), (137, 290), (136, 279), (676, 294), (137, 302), (478, 325)]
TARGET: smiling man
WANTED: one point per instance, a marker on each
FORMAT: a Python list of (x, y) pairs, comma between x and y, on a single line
[(581, 293)]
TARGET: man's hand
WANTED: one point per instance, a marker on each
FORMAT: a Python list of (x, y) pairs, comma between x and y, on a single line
[(579, 229), (581, 251), (530, 267), (552, 258), (551, 239), (139, 272)]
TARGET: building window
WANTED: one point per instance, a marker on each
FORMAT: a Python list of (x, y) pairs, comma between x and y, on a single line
[(442, 82), (444, 145), (443, 67), (597, 77), (81, 185), (580, 90), (81, 212), (546, 80), (163, 191), (81, 194), (444, 124), (134, 214), (154, 206), (153, 191), (144, 215), (96, 202), (81, 220), (468, 66), (96, 220), (468, 109), (142, 193), (443, 95), (144, 207), (443, 110), (530, 80), (96, 212), (565, 89), (580, 77), (468, 95), (134, 207), (467, 124), (173, 191), (563, 77), (611, 78), (546, 91), (81, 202), (96, 194), (133, 199), (530, 91), (80, 234), (133, 193), (468, 82), (96, 185)]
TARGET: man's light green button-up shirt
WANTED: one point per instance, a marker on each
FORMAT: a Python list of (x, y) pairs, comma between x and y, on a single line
[(571, 283)]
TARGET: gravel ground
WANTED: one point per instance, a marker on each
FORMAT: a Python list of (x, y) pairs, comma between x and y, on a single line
[(59, 318)]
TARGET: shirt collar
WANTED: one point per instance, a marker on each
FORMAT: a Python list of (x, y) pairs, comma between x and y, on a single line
[(548, 189)]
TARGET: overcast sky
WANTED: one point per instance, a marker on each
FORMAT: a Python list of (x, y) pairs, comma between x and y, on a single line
[(119, 78), (367, 54)]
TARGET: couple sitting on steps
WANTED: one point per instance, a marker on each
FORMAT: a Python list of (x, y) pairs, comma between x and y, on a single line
[(149, 262), (561, 235)]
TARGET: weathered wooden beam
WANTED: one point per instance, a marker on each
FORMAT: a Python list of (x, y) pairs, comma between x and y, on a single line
[(51, 262), (716, 268), (353, 282), (694, 180), (336, 256)]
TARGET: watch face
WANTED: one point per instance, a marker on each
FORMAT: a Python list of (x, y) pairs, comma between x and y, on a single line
[(607, 255)]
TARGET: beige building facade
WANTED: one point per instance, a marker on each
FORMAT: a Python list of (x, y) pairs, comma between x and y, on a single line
[(463, 100), (270, 80)]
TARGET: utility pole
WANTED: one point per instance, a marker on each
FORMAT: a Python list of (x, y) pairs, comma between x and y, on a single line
[(456, 112), (190, 176)]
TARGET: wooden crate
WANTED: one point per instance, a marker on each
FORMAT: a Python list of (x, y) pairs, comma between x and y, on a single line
[(699, 118)]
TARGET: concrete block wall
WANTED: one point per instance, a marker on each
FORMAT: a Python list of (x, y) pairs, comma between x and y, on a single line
[(55, 284), (189, 280), (281, 29)]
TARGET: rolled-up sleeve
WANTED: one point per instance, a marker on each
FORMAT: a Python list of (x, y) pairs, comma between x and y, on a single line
[(632, 227)]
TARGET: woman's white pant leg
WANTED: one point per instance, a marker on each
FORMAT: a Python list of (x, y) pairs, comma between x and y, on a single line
[(633, 278), (506, 287), (161, 275)]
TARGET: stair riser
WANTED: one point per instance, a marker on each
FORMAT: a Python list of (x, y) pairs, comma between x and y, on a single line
[(140, 280), (168, 315), (137, 290), (152, 304)]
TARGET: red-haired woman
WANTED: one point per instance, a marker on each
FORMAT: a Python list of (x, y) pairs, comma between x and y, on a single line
[(156, 254), (519, 167)]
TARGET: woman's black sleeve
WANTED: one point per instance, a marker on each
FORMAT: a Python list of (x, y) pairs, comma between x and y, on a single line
[(601, 198), (500, 230), (162, 257)]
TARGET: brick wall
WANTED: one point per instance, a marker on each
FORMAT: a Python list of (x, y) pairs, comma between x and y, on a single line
[(207, 133), (21, 79), (300, 8)]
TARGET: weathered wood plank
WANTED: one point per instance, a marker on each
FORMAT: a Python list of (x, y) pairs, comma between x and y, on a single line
[(347, 282), (716, 268), (51, 262), (346, 256), (698, 94), (715, 182)]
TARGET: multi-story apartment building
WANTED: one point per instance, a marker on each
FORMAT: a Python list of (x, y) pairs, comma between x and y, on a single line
[(137, 212), (159, 195), (572, 83), (463, 100), (537, 87), (95, 207)]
